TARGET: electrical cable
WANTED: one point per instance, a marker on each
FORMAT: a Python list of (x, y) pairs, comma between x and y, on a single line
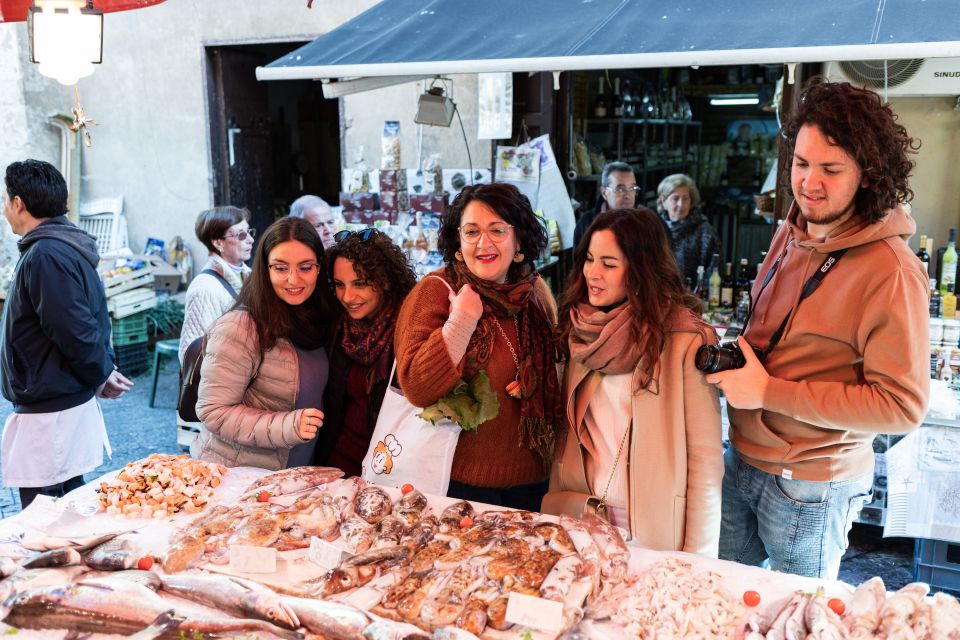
[(466, 144)]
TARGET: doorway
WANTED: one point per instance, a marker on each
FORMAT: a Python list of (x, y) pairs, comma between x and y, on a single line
[(270, 142)]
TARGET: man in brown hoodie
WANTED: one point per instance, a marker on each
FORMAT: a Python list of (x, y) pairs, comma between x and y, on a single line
[(850, 361)]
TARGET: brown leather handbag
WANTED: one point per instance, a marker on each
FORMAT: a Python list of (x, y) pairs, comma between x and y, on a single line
[(190, 380)]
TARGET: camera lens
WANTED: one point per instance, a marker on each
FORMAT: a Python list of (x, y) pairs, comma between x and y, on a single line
[(708, 357), (711, 359)]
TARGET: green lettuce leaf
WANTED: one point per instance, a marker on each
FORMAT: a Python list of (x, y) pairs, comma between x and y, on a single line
[(468, 404)]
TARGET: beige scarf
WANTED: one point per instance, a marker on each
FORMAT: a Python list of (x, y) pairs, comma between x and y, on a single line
[(603, 341)]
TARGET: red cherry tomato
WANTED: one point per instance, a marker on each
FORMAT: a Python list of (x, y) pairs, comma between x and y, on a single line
[(751, 598), (145, 563), (837, 605), (466, 521), (407, 488), (263, 496)]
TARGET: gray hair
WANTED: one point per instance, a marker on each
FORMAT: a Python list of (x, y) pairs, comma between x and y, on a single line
[(670, 184), (306, 203), (610, 167)]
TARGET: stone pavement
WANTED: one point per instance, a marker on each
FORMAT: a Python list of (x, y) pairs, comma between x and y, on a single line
[(136, 431)]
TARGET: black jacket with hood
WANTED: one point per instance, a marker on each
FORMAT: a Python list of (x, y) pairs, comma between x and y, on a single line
[(55, 342)]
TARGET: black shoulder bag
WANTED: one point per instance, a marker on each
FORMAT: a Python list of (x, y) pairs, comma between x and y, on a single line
[(192, 359)]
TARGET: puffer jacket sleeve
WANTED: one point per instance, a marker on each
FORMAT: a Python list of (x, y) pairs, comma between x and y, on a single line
[(230, 363), (701, 409)]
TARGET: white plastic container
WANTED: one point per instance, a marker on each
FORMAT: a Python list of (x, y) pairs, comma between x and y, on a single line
[(936, 330), (951, 333)]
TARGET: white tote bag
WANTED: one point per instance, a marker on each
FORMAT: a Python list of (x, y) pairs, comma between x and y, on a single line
[(408, 449)]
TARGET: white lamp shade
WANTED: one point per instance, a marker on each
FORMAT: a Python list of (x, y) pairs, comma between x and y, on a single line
[(65, 40)]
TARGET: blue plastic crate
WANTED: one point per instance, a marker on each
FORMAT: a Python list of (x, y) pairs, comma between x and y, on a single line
[(937, 563)]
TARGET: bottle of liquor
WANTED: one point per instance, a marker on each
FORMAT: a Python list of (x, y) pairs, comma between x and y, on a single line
[(934, 299), (714, 281), (948, 305), (922, 253), (700, 289), (629, 100), (726, 288), (743, 307), (600, 106), (743, 280), (421, 241), (617, 100), (948, 273)]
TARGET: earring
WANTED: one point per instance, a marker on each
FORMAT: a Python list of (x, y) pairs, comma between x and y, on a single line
[(518, 257), (458, 255)]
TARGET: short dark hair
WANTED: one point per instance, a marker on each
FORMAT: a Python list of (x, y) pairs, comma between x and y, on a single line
[(212, 224), (508, 203), (860, 123), (378, 261), (610, 167), (40, 186), (270, 314)]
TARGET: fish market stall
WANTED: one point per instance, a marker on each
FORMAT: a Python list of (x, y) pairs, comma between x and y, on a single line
[(172, 547)]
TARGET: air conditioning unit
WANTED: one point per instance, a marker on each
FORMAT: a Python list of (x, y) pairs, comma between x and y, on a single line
[(901, 78)]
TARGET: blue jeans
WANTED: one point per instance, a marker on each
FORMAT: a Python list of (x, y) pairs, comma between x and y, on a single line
[(800, 526)]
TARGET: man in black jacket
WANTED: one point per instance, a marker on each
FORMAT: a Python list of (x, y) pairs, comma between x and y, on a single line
[(55, 353), (618, 190)]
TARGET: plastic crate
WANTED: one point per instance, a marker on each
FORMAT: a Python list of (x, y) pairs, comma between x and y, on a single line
[(937, 563), (132, 359), (129, 330)]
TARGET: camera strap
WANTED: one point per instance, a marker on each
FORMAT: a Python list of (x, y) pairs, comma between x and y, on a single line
[(808, 288)]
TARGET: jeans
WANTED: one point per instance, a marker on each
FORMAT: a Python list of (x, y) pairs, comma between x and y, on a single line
[(527, 496), (28, 494), (800, 526)]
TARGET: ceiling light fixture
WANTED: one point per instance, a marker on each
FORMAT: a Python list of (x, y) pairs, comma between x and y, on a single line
[(66, 38), (434, 108), (732, 99)]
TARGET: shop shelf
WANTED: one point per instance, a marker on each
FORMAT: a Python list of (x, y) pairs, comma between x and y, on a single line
[(937, 563)]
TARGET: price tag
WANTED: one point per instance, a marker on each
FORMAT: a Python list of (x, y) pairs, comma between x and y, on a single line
[(530, 611), (324, 554), (247, 559)]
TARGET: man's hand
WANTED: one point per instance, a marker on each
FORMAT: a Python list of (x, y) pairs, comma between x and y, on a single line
[(114, 386), (310, 422), (466, 301), (744, 388)]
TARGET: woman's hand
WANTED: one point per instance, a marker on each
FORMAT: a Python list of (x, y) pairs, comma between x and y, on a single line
[(466, 303), (310, 422)]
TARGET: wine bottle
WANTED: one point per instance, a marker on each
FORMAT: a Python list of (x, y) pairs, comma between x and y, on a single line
[(922, 253), (726, 288), (629, 101), (700, 289), (617, 100), (948, 273), (714, 281), (600, 106)]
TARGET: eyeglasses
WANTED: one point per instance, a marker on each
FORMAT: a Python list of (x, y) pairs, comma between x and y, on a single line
[(363, 234), (621, 191), (305, 268), (242, 235), (498, 231)]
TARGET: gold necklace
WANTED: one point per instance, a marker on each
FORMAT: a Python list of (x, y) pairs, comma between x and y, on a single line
[(513, 389)]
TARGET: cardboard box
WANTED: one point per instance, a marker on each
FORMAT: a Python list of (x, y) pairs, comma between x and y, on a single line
[(166, 277), (395, 201), (359, 201), (429, 203), (393, 180)]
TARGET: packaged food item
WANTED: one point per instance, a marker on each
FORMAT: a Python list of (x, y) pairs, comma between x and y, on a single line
[(936, 330), (359, 202), (433, 175), (951, 333), (390, 145), (360, 176), (393, 180)]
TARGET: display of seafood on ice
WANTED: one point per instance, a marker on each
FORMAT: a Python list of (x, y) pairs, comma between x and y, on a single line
[(159, 486)]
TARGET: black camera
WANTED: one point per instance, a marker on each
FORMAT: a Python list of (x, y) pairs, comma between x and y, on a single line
[(711, 359)]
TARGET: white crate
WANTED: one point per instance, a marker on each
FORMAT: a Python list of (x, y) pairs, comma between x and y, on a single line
[(127, 281), (131, 302)]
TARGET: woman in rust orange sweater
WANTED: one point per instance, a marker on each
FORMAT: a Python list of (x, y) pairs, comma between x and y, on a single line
[(487, 319)]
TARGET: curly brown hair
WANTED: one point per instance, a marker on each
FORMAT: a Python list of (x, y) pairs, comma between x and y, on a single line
[(860, 123), (377, 260), (654, 286), (508, 203)]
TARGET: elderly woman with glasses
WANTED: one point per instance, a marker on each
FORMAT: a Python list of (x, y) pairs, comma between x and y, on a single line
[(371, 278), (692, 239), (265, 366), (226, 233), (486, 319)]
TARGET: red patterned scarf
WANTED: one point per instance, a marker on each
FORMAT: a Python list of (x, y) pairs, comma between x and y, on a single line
[(366, 341)]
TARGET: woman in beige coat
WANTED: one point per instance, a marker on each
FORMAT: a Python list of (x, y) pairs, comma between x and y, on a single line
[(643, 426), (264, 366)]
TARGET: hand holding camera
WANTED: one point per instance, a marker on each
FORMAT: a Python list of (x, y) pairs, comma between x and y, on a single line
[(737, 371)]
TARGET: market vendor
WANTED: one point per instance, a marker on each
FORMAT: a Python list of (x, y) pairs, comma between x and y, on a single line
[(488, 311), (644, 433), (843, 361), (371, 277), (265, 365), (692, 238)]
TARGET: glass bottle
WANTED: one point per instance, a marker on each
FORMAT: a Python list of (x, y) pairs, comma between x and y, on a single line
[(948, 306), (743, 307), (600, 106), (714, 281), (922, 253), (726, 288), (948, 272), (617, 100), (934, 299), (700, 289)]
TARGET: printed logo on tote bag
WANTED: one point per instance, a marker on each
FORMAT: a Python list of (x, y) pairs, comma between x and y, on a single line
[(384, 453)]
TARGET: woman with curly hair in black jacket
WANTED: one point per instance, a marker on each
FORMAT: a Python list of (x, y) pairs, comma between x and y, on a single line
[(371, 277)]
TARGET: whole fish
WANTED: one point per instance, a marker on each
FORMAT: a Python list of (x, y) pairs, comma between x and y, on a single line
[(166, 621), (63, 557), (118, 606), (49, 543), (292, 480), (235, 596), (331, 620), (27, 579), (392, 630), (114, 555)]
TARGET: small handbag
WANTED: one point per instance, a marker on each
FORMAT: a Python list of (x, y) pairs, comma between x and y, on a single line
[(190, 380)]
